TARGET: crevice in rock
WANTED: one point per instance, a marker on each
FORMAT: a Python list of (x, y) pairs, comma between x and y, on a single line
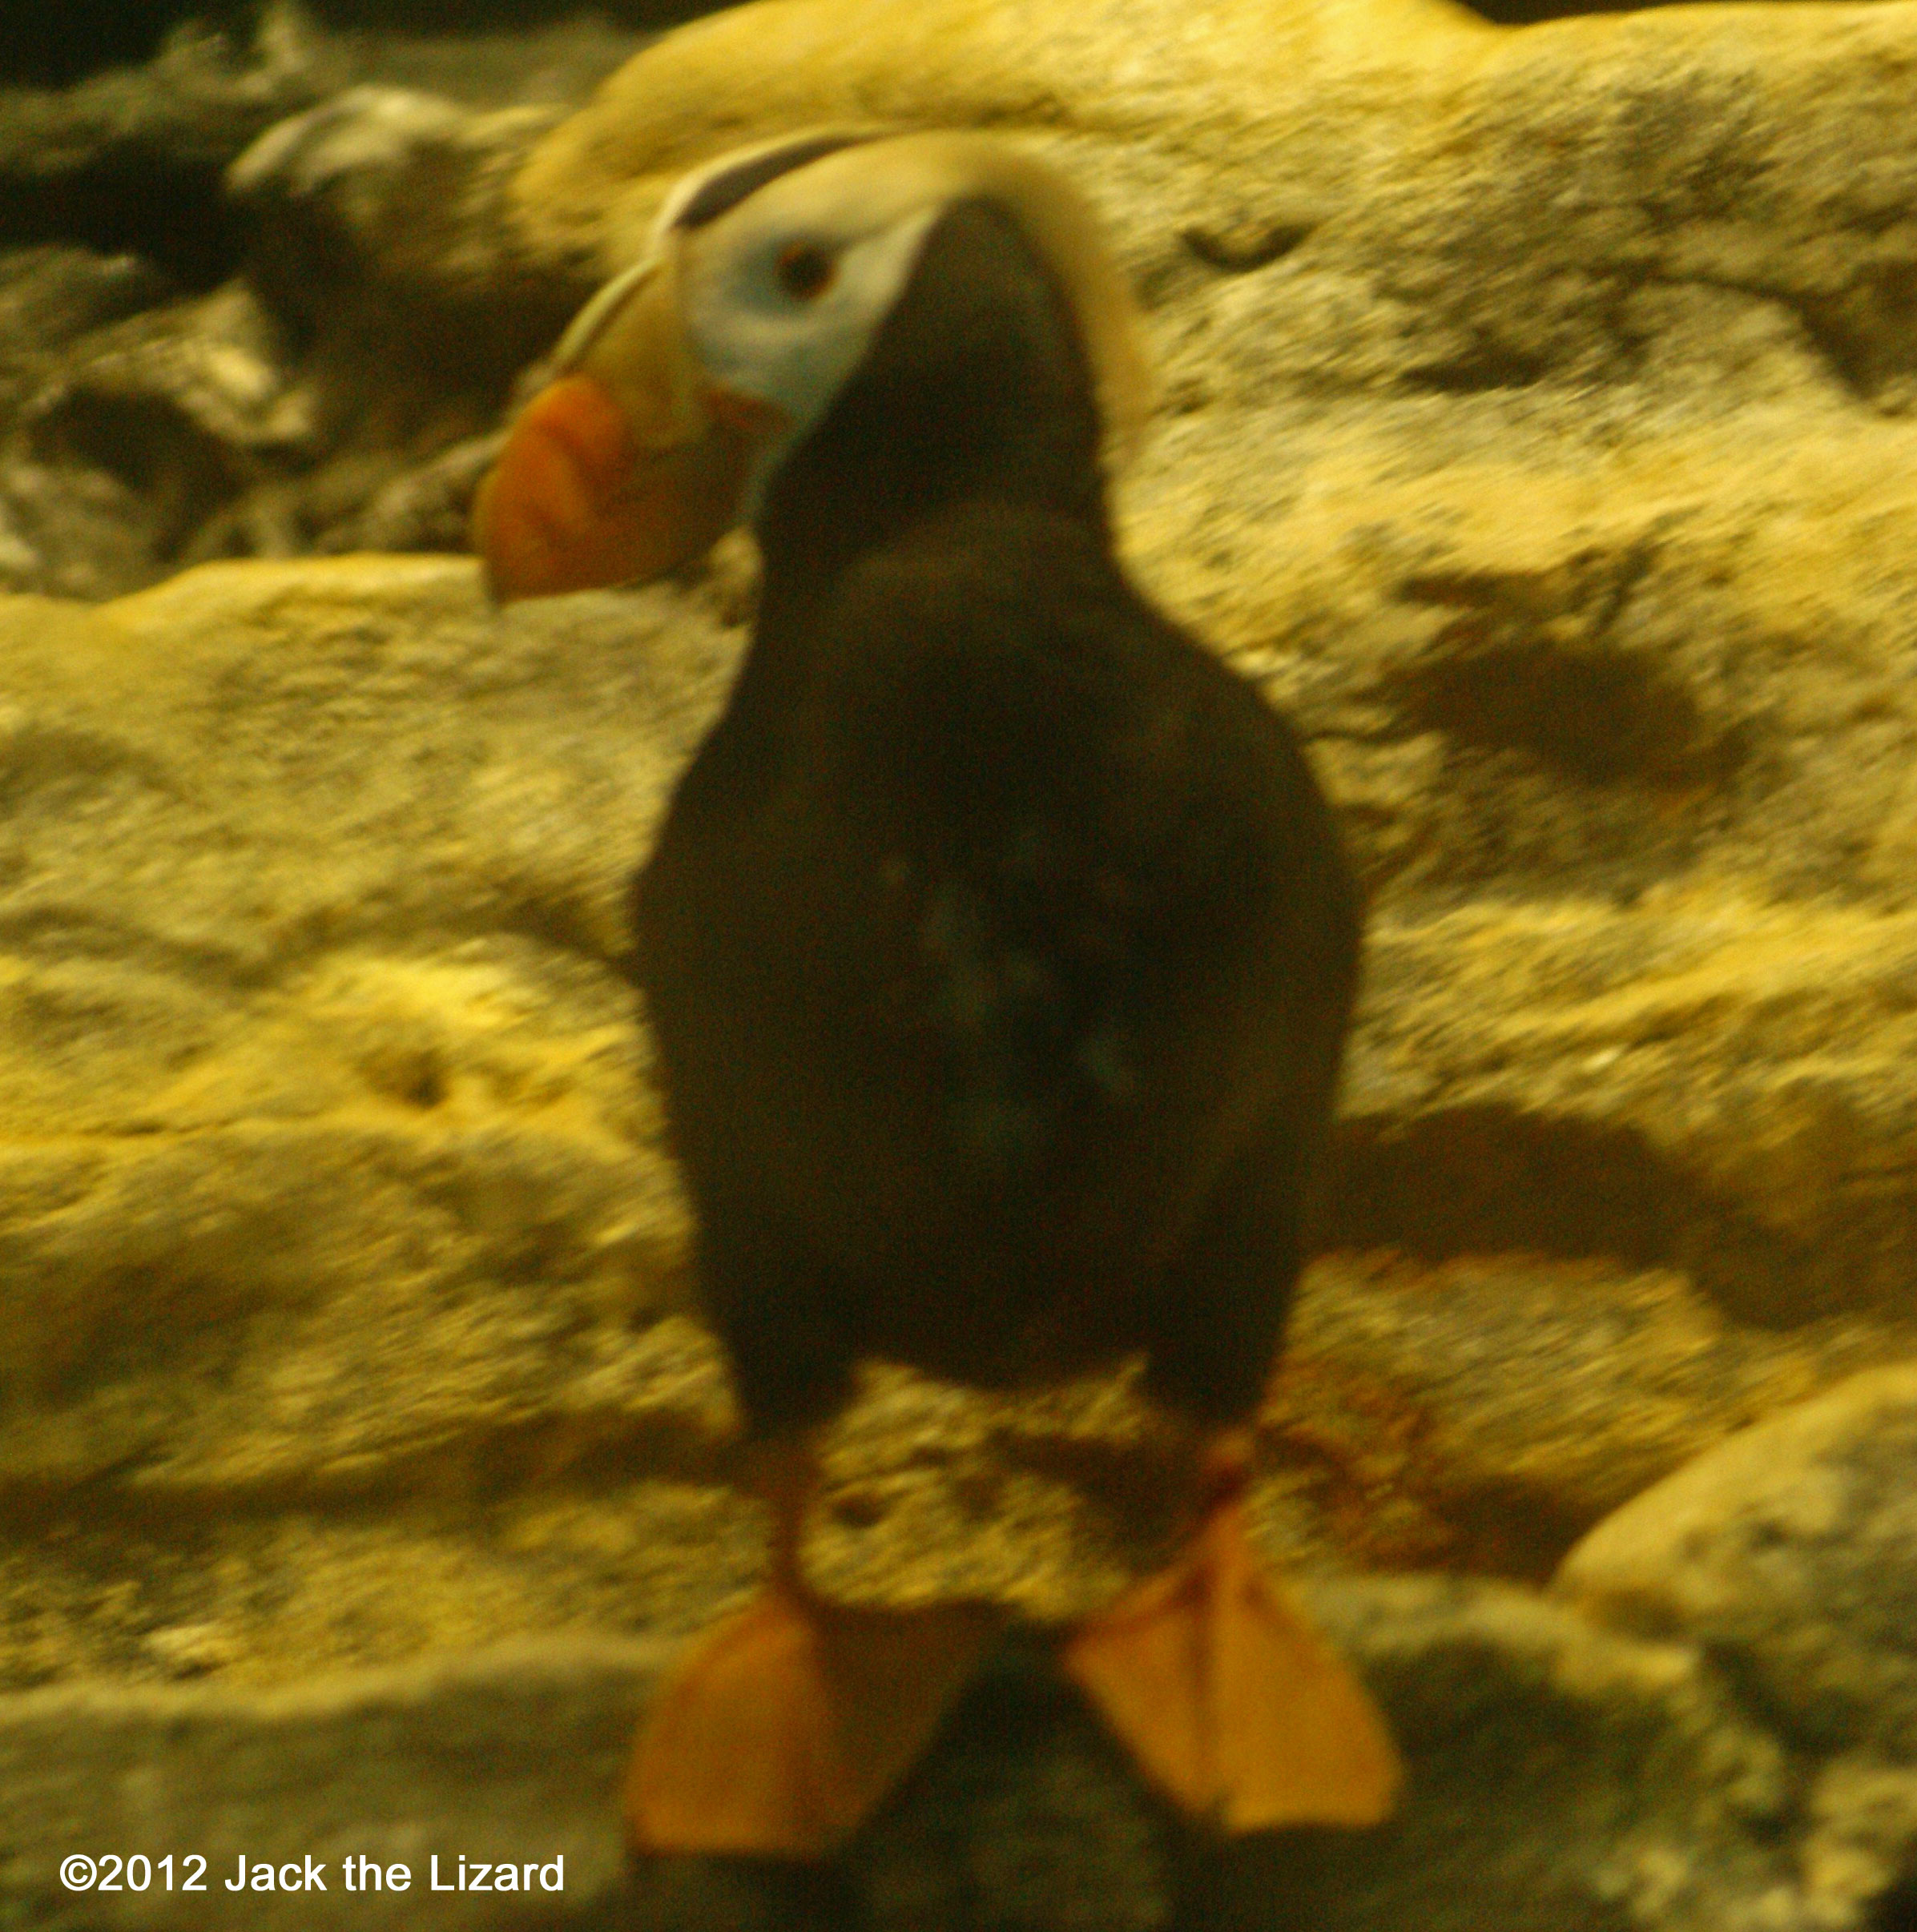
[(1867, 336), (580, 1455), (1600, 715), (1239, 251), (1480, 1179), (1896, 1911), (471, 16), (44, 45), (1485, 366), (178, 472), (414, 1077), (1746, 1684), (1530, 13), (168, 211), (1489, 1179), (1530, 664), (1506, 1529)]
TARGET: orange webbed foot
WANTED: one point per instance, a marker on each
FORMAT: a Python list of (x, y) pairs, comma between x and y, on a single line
[(1228, 1701), (786, 1729)]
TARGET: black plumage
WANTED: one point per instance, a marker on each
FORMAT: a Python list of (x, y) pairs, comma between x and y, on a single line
[(998, 941)]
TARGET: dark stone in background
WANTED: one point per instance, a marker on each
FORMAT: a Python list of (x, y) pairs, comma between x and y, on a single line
[(472, 16), (54, 44), (45, 43), (194, 364), (130, 157)]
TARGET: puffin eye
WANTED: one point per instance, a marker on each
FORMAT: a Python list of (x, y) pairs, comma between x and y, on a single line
[(805, 270)]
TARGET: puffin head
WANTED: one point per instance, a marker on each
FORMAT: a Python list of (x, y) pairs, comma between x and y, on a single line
[(776, 275)]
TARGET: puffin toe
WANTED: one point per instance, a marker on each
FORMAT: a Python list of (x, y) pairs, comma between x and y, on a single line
[(791, 1724), (1227, 1701), (784, 1729)]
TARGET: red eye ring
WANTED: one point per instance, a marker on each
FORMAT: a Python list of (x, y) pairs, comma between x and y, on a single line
[(805, 270)]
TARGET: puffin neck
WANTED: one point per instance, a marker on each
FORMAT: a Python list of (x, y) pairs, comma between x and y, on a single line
[(975, 390)]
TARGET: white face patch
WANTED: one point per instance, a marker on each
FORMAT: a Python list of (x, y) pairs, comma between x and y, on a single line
[(775, 297), (781, 303)]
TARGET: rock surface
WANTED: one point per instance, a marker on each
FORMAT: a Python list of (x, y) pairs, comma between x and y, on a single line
[(326, 1158), (1571, 1779), (314, 294), (131, 158), (507, 1755), (1788, 1556), (1790, 1552), (1482, 1413), (1538, 429)]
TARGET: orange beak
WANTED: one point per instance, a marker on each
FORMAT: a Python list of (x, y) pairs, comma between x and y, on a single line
[(624, 467)]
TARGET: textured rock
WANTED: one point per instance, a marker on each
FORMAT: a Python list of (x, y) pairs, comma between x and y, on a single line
[(141, 429), (1484, 1413), (132, 158), (486, 57), (1860, 1853), (1538, 429), (326, 1166), (1048, 1504), (1690, 1079), (1561, 1778), (1565, 1779), (1700, 1079), (385, 306), (49, 295), (1791, 1552), (509, 1756), (1480, 1416), (371, 219)]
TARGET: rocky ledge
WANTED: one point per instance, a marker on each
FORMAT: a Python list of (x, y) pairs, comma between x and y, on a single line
[(1537, 429)]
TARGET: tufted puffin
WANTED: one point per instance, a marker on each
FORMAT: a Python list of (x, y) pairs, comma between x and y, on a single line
[(998, 943)]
